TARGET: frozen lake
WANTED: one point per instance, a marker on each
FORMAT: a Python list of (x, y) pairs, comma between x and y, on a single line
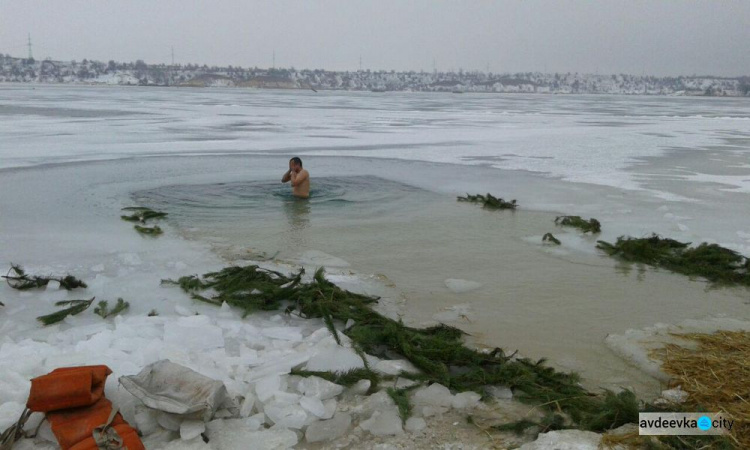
[(385, 171)]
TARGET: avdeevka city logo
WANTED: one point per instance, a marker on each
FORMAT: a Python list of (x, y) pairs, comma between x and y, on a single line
[(679, 423)]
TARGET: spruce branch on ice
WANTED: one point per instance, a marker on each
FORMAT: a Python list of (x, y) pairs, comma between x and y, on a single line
[(142, 214), (592, 225), (73, 307), (489, 201), (713, 262), (102, 308), (152, 231), (17, 278), (549, 237)]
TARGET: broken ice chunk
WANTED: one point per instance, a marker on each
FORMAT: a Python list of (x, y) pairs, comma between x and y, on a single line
[(284, 333), (145, 420), (330, 408), (265, 388), (328, 430), (286, 416), (500, 392), (565, 439), (434, 395), (194, 444), (383, 423), (190, 429), (360, 387), (313, 405), (169, 421), (466, 400), (193, 333), (395, 367), (402, 383), (233, 434), (376, 402), (319, 388), (247, 404), (676, 395), (414, 424), (336, 359)]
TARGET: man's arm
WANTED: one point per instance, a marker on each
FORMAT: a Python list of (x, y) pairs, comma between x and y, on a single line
[(298, 178), (287, 176)]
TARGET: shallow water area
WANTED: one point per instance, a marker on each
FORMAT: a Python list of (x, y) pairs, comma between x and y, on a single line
[(545, 301)]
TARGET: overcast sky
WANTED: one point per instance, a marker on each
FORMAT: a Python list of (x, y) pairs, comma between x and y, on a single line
[(660, 37)]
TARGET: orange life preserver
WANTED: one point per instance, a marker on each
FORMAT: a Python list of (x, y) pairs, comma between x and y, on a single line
[(80, 417)]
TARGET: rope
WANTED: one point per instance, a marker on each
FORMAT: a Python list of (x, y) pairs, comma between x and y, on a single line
[(106, 438), (15, 432)]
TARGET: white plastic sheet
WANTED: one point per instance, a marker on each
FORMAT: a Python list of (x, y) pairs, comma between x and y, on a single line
[(172, 388)]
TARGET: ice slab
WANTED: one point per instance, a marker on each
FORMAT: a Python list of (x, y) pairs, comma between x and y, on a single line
[(565, 440), (286, 416), (265, 388), (676, 395), (193, 444), (337, 359), (414, 424), (360, 387), (378, 401), (328, 430), (193, 333), (313, 405), (319, 388), (383, 423), (395, 367), (466, 400), (635, 345), (283, 333), (233, 434), (434, 395), (191, 429), (500, 392)]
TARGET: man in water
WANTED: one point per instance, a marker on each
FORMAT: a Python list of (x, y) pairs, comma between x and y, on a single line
[(299, 177)]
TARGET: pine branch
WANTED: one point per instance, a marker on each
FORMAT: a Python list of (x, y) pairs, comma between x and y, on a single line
[(75, 307), (21, 281), (102, 309), (489, 201), (592, 225), (153, 231), (70, 282), (142, 214)]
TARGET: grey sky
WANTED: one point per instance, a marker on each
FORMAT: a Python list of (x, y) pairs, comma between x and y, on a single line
[(660, 37)]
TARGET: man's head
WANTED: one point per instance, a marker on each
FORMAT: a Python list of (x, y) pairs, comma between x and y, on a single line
[(295, 164)]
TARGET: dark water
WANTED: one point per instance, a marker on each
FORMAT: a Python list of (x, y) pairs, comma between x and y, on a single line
[(243, 208)]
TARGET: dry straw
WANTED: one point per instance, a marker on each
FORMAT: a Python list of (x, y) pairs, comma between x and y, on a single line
[(715, 372)]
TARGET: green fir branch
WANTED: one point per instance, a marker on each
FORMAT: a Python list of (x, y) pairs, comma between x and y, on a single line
[(74, 307)]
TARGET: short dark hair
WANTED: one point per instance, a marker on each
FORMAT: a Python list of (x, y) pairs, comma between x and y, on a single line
[(296, 160)]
